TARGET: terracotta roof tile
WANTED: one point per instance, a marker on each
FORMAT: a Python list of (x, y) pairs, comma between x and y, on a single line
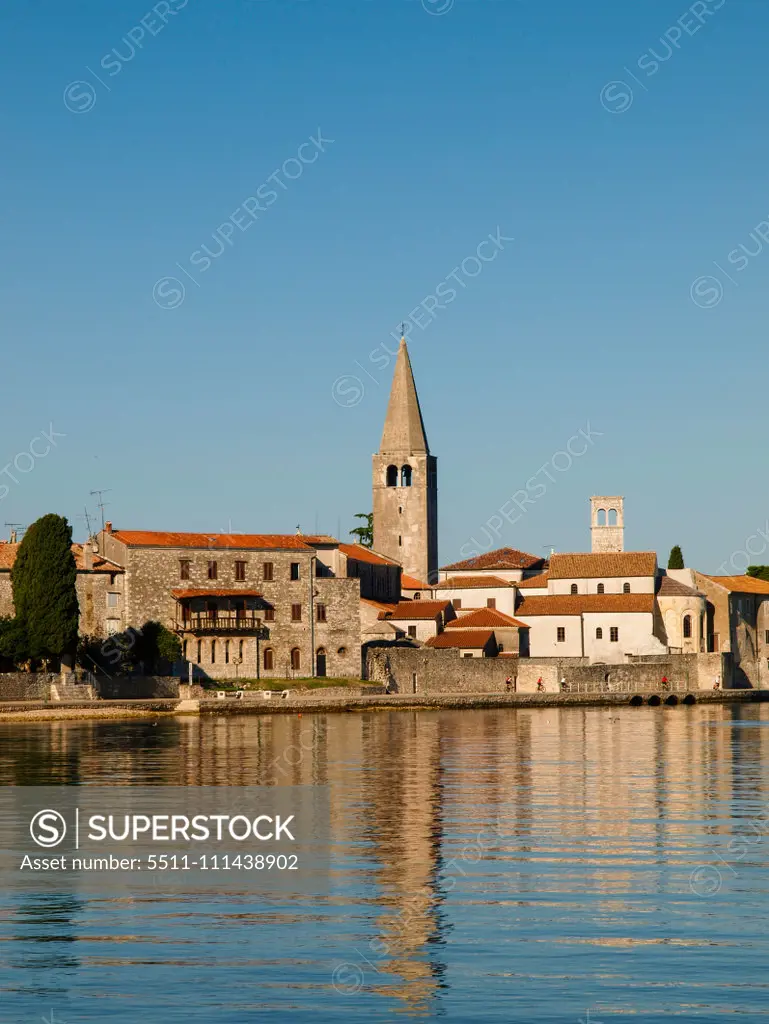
[(485, 617), (361, 554), (411, 583), (674, 588), (591, 566), (7, 554), (382, 606), (576, 604), (203, 592), (471, 639), (9, 551), (318, 538), (237, 541), (475, 639), (534, 581), (416, 610), (502, 558), (742, 584), (473, 583)]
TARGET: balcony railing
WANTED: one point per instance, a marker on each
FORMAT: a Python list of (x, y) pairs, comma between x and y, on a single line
[(219, 624)]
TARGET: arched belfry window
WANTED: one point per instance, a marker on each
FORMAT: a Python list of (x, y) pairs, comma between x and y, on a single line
[(406, 476), (600, 517), (625, 588), (600, 588), (612, 521), (392, 476)]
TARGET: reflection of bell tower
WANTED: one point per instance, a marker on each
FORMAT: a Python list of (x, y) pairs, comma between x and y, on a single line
[(405, 481), (607, 524)]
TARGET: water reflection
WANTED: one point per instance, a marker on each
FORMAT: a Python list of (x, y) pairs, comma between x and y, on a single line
[(489, 865)]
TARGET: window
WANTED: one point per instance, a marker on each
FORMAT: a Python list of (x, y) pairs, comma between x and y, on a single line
[(213, 571), (625, 588), (413, 632), (600, 517), (113, 626), (600, 589), (574, 588), (184, 568), (687, 626), (392, 476), (342, 651), (267, 572), (112, 600), (467, 655), (240, 650), (766, 636), (598, 633), (457, 602), (213, 652), (296, 659), (320, 613), (406, 476), (491, 602), (296, 613), (612, 518), (560, 634), (418, 597), (268, 659), (294, 570), (226, 652), (400, 541), (614, 634), (269, 614), (240, 571), (500, 648), (200, 651)]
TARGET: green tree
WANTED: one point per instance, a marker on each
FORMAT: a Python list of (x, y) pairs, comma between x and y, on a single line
[(44, 596), (14, 642), (761, 572), (365, 534), (156, 646), (676, 560)]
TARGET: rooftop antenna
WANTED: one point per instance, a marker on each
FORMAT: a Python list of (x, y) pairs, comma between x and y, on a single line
[(14, 527), (87, 519), (101, 503), (550, 548)]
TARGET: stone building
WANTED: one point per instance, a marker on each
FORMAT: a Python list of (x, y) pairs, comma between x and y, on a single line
[(607, 524), (419, 620), (405, 481), (737, 622), (244, 606)]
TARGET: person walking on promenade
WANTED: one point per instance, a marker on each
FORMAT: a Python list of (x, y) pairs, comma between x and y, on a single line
[(540, 685)]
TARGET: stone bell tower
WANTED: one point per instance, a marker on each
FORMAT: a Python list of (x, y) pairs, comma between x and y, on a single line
[(405, 481), (607, 524)]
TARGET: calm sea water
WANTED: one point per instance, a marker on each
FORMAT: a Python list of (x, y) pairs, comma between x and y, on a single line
[(546, 865)]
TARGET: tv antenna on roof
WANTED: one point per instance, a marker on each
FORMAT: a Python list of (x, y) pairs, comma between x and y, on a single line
[(101, 503), (14, 527)]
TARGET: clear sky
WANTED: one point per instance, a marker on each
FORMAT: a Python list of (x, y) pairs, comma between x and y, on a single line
[(131, 135)]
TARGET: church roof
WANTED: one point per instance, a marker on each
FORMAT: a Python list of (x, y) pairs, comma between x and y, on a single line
[(502, 558), (674, 588), (582, 565), (486, 618), (404, 429), (469, 639), (473, 583), (577, 604), (416, 610), (361, 554)]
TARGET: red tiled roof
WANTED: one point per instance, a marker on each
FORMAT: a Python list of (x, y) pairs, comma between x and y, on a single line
[(254, 541), (473, 583), (202, 592), (361, 554), (502, 558), (416, 610), (382, 606), (9, 551), (318, 538), (411, 583), (534, 581), (471, 638), (742, 584), (7, 554), (674, 588), (485, 617), (576, 604), (582, 565)]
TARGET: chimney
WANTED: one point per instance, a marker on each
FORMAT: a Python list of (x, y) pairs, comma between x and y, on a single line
[(87, 556), (13, 537), (108, 527)]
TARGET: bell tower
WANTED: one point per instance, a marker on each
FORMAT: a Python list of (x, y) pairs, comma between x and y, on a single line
[(405, 481), (607, 524)]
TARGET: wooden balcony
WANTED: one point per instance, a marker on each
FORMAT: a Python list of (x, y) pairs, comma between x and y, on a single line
[(220, 624)]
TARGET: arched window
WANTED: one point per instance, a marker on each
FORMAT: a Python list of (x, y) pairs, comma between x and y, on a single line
[(600, 589), (184, 650), (226, 652), (574, 588), (612, 519), (599, 633), (392, 476), (625, 588), (200, 651), (417, 596), (687, 627), (320, 661), (296, 659), (600, 517), (406, 476), (240, 649), (268, 659)]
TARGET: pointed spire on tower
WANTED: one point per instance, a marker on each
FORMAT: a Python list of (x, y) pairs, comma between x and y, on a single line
[(404, 429)]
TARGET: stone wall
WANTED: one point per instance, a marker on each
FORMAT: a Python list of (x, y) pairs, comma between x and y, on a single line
[(136, 687), (26, 685), (421, 670)]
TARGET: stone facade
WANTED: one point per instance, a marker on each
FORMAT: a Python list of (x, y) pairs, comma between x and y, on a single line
[(313, 621), (607, 524)]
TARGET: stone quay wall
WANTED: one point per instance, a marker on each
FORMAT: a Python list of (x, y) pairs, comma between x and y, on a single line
[(27, 685)]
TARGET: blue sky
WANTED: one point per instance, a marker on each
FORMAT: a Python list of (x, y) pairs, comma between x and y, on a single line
[(450, 122)]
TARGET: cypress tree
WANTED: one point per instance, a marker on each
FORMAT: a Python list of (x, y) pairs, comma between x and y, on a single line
[(44, 595), (676, 560)]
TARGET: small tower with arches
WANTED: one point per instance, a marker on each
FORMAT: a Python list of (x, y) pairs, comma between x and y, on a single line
[(607, 524)]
